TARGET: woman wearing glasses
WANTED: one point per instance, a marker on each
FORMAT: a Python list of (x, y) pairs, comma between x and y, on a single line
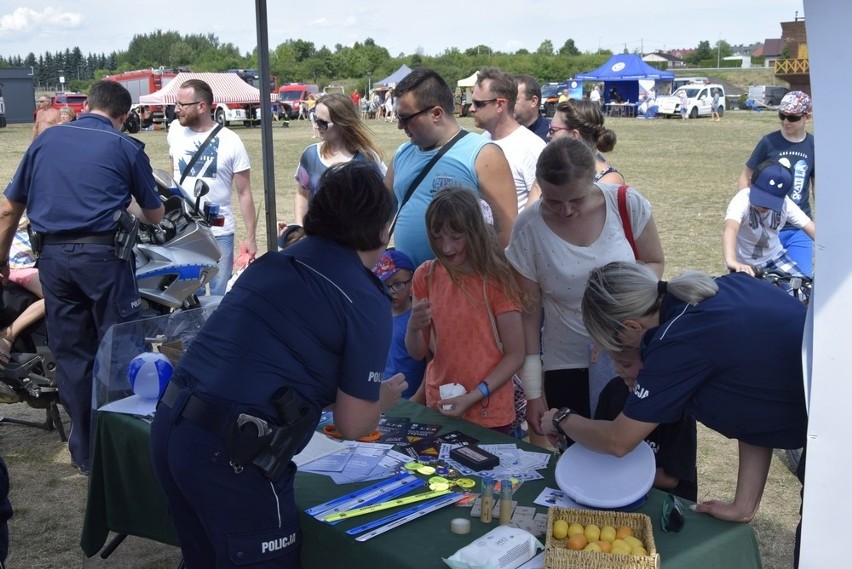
[(344, 137), (584, 121), (724, 350), (575, 227), (795, 144)]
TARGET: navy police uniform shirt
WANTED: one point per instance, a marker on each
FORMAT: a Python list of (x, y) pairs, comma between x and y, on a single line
[(74, 177), (733, 361), (311, 317)]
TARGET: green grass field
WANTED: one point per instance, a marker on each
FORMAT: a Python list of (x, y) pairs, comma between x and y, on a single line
[(689, 171)]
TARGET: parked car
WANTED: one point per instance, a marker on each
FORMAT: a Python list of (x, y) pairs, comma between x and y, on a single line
[(550, 95), (699, 101), (74, 100), (767, 95), (291, 97)]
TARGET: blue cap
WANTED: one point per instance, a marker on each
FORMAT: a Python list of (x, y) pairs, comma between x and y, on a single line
[(769, 186), (392, 261)]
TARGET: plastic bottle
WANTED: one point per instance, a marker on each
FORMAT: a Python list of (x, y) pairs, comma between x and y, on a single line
[(505, 502), (487, 500)]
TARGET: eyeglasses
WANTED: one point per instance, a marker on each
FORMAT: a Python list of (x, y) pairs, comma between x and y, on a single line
[(554, 129), (672, 518), (397, 286), (479, 104), (43, 101), (184, 105), (790, 118), (323, 124), (404, 120)]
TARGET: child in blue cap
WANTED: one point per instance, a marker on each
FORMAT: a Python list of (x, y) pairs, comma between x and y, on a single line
[(754, 219), (395, 270)]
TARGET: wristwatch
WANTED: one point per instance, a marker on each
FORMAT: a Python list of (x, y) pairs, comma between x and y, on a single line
[(560, 416)]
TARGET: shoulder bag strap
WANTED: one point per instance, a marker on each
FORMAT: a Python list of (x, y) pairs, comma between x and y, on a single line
[(198, 152), (625, 218), (416, 182), (433, 338)]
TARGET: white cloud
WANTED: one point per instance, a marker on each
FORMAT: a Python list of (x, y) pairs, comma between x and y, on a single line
[(321, 22), (350, 21), (26, 20)]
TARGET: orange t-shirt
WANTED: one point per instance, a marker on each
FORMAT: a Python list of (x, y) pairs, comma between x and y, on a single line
[(466, 350)]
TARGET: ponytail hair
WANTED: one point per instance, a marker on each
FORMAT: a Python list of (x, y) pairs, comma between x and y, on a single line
[(627, 290)]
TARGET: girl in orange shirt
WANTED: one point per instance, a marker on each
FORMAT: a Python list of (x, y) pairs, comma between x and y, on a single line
[(466, 311)]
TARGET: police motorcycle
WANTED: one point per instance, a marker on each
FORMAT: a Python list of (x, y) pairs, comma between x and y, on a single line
[(178, 256), (174, 259)]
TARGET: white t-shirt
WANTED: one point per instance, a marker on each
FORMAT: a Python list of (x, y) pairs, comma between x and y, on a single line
[(562, 270), (224, 156), (757, 238), (521, 149), (595, 96)]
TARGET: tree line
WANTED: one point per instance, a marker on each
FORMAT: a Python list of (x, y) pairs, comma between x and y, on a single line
[(302, 61)]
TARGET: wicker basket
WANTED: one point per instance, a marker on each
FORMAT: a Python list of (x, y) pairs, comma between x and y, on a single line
[(558, 556)]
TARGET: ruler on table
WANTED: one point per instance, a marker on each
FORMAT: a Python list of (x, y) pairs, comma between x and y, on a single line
[(414, 513), (442, 500), (368, 495), (385, 505)]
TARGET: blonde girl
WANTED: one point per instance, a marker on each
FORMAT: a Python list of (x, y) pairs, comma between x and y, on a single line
[(467, 312)]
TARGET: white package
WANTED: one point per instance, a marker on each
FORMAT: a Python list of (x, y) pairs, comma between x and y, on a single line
[(504, 547), (449, 390)]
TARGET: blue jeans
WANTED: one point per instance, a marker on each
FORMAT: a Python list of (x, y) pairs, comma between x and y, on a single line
[(800, 248), (226, 266)]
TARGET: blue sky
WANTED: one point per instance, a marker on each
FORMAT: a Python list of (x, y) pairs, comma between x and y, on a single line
[(402, 27)]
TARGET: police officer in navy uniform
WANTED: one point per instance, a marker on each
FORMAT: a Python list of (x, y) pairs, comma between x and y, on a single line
[(310, 322), (71, 181)]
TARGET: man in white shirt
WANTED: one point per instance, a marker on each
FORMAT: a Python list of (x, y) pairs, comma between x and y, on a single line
[(494, 97), (223, 162)]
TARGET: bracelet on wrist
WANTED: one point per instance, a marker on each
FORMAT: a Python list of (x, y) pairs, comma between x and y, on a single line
[(483, 388)]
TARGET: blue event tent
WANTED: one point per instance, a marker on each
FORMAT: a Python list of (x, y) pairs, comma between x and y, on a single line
[(394, 78), (623, 73)]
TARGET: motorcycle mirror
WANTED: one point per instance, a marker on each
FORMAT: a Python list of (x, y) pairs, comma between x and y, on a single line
[(201, 189)]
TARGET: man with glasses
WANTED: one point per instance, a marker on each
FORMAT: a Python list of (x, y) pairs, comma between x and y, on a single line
[(224, 162), (492, 108), (528, 106), (424, 110), (46, 116), (795, 144)]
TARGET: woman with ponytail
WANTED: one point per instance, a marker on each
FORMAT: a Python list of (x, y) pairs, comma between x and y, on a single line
[(724, 350)]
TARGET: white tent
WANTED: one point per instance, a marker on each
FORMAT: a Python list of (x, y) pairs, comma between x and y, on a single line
[(468, 82), (227, 88)]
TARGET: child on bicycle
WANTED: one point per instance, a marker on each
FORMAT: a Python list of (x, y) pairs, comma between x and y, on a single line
[(467, 313), (754, 219)]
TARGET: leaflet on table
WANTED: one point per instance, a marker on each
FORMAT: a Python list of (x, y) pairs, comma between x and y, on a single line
[(333, 462), (364, 458), (318, 447), (551, 497)]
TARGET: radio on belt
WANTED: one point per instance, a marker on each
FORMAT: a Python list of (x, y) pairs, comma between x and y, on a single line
[(474, 457)]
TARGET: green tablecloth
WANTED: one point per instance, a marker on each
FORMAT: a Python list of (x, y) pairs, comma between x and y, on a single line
[(123, 497)]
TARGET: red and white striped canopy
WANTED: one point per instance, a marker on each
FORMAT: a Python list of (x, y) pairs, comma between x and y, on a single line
[(227, 88)]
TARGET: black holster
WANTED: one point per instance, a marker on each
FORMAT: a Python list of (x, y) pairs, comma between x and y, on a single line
[(36, 242), (125, 236), (298, 422)]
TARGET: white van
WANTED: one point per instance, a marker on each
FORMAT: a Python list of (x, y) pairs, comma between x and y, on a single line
[(699, 101), (767, 95), (679, 82)]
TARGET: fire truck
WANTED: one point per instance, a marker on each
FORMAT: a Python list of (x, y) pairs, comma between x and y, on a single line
[(144, 82)]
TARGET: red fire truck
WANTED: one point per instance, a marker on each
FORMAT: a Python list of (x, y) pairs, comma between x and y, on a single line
[(144, 82)]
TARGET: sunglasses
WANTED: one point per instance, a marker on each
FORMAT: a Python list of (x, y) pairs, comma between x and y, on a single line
[(323, 124), (479, 104), (404, 120), (672, 518), (790, 118), (554, 129), (397, 286)]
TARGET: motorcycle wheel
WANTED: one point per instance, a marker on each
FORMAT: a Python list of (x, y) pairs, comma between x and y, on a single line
[(793, 458)]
